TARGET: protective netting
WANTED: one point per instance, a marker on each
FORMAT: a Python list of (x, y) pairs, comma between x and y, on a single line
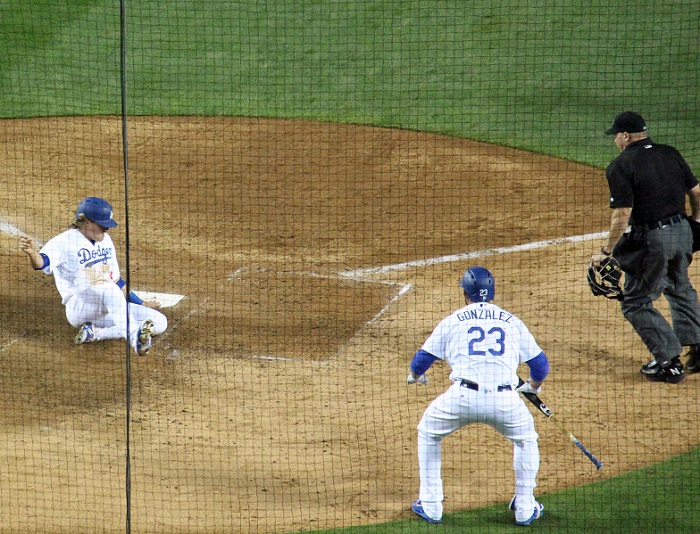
[(305, 184)]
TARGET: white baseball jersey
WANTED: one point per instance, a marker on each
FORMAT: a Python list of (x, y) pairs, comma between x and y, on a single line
[(78, 263), (86, 274), (483, 343)]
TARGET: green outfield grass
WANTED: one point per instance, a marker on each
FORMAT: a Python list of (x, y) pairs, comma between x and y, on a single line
[(661, 498), (546, 76), (541, 75)]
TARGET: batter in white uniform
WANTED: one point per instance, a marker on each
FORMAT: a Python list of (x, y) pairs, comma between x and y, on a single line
[(483, 345), (84, 264)]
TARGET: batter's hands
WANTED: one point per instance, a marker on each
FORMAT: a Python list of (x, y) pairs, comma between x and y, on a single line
[(421, 380), (152, 304), (527, 388)]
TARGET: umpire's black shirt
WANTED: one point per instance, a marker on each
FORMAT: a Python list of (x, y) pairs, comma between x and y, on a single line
[(651, 179)]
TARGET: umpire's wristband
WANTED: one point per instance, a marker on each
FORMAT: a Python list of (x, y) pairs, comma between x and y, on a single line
[(604, 252)]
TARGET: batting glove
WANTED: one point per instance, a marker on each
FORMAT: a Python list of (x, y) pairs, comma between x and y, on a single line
[(421, 380), (527, 388)]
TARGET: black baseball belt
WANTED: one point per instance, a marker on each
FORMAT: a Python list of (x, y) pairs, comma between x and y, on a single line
[(473, 385), (663, 223)]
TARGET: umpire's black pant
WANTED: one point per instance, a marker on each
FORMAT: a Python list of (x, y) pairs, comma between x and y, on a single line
[(663, 268)]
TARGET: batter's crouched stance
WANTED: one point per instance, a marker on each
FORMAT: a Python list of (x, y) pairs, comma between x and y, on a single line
[(483, 345), (84, 264)]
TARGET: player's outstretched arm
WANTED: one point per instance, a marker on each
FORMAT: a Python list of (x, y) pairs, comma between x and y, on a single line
[(135, 299), (26, 244), (153, 304)]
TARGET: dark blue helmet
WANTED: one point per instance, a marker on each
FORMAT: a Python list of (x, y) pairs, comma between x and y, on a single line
[(97, 210), (478, 284)]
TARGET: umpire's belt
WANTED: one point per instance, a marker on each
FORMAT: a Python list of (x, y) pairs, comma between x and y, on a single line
[(473, 385), (670, 221)]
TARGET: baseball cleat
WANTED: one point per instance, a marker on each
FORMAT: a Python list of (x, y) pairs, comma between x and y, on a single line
[(538, 512), (85, 334), (692, 365), (670, 371), (417, 508), (649, 368), (143, 339)]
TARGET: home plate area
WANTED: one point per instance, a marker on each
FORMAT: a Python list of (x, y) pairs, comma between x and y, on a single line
[(303, 314)]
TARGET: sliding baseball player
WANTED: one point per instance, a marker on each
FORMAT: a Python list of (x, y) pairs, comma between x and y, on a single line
[(84, 264)]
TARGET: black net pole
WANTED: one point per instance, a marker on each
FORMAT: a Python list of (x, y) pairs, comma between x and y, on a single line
[(125, 152)]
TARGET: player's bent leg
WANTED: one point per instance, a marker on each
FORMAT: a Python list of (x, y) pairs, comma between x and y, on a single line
[(430, 495), (516, 423), (526, 464), (142, 313), (86, 307), (91, 307), (430, 467), (445, 415)]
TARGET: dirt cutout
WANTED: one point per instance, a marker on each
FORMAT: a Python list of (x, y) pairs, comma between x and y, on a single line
[(315, 259)]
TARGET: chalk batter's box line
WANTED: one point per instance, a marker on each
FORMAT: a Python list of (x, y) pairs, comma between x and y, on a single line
[(403, 288), (362, 275), (367, 271)]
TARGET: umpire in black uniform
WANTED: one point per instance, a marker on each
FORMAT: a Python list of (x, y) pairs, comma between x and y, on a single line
[(652, 240)]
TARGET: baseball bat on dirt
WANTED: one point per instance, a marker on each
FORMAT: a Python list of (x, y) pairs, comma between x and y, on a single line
[(541, 406)]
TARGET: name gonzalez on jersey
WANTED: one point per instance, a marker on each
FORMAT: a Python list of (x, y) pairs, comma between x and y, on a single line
[(485, 314)]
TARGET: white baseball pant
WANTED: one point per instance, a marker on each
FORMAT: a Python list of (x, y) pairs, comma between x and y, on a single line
[(457, 407), (105, 306)]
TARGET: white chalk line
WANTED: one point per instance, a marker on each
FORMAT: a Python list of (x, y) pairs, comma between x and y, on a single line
[(334, 275), (239, 274), (7, 228), (361, 275), (283, 359), (11, 230), (473, 255), (342, 275)]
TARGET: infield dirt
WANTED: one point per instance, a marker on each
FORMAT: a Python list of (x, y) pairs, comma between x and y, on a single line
[(276, 401)]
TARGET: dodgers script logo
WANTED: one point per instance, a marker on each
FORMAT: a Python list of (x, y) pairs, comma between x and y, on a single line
[(91, 257)]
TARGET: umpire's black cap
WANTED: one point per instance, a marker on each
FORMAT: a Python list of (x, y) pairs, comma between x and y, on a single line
[(627, 121)]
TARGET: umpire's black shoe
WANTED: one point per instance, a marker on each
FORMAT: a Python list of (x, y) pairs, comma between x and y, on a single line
[(692, 365), (670, 371), (650, 368)]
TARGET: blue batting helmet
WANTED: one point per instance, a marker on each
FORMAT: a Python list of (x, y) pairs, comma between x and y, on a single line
[(97, 210), (478, 284)]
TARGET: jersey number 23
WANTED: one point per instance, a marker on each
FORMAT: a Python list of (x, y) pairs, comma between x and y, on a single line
[(480, 339)]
